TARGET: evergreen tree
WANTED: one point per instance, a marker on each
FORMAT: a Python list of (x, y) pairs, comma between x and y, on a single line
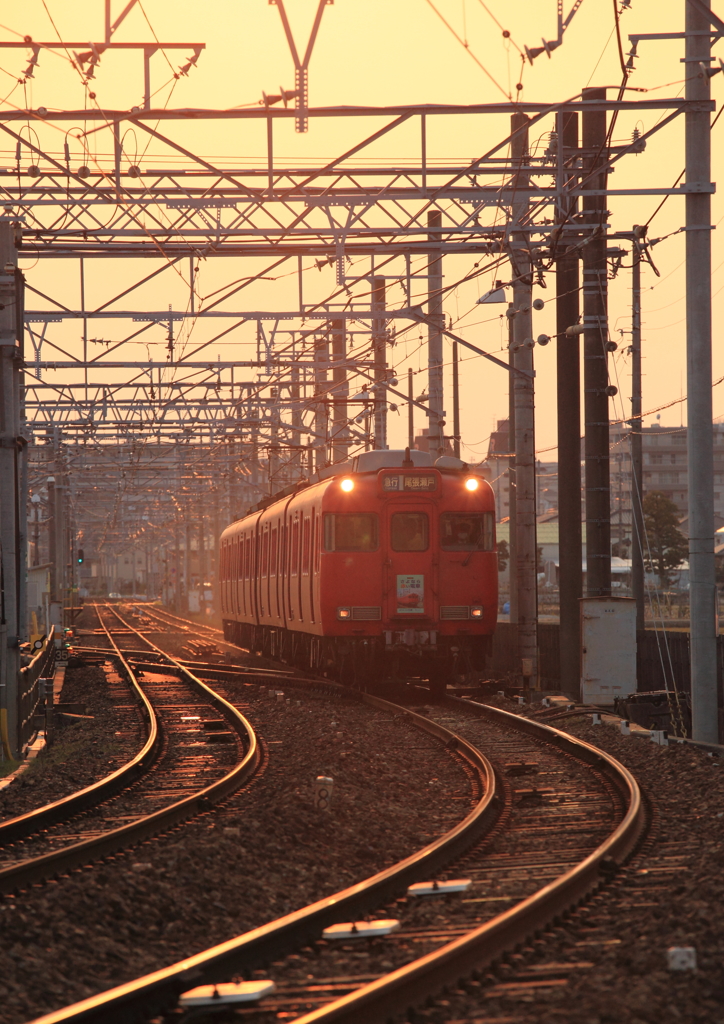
[(665, 546), (503, 555)]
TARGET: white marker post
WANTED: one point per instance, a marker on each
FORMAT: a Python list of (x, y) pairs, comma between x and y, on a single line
[(323, 787)]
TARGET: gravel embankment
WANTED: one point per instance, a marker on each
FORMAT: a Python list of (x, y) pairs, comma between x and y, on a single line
[(264, 853)]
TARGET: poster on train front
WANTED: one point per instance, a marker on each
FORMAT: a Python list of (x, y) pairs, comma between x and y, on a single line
[(410, 595)]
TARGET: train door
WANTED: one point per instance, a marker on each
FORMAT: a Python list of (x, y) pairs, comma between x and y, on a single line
[(410, 561), (294, 612), (274, 572), (307, 563)]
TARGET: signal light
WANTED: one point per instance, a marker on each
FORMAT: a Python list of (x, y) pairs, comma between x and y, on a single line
[(471, 484), (347, 484), (80, 556)]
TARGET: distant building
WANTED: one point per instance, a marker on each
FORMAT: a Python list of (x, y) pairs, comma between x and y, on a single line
[(498, 461), (665, 469), (422, 442)]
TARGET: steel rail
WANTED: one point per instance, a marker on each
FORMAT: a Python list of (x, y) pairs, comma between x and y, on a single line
[(158, 613), (24, 825), (39, 869), (159, 991), (413, 983)]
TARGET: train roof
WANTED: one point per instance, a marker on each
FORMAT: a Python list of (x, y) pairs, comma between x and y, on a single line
[(366, 462)]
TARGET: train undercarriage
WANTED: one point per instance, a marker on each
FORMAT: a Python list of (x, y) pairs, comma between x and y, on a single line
[(367, 663)]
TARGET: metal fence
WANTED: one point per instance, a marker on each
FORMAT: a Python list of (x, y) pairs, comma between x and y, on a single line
[(42, 666), (504, 661), (662, 658)]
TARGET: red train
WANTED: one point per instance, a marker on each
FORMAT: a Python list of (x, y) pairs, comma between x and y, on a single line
[(385, 566)]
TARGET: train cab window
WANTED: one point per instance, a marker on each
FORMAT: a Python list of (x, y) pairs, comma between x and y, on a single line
[(460, 531), (350, 531), (409, 531)]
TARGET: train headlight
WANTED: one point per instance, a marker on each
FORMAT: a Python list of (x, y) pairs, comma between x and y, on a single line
[(344, 613), (476, 611), (471, 484), (347, 484)]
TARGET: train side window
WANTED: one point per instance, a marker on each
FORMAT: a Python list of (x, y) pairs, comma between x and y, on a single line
[(461, 531), (247, 561), (306, 546), (318, 556), (265, 554), (295, 548), (273, 553), (409, 531), (350, 531)]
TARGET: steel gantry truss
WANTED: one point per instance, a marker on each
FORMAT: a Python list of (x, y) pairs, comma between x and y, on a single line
[(318, 384)]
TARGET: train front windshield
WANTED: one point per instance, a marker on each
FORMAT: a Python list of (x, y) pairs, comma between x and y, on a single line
[(463, 531)]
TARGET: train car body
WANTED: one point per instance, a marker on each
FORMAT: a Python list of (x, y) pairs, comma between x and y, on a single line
[(385, 566)]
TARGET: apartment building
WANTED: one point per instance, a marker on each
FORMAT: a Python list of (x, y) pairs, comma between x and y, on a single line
[(498, 464)]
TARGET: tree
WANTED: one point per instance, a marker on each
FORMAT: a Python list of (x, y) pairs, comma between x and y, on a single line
[(622, 548), (665, 546), (503, 555)]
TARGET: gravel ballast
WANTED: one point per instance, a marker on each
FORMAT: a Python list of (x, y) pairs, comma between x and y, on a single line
[(607, 962), (262, 854), (85, 747)]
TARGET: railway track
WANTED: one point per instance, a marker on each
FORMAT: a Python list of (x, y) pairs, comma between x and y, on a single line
[(569, 816), (192, 759)]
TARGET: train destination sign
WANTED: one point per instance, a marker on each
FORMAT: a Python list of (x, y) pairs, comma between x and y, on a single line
[(409, 482)]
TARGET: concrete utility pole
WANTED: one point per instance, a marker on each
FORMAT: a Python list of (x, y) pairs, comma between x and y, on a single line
[(456, 401), (512, 489), (410, 410), (296, 468), (379, 350), (595, 355), (12, 503), (526, 550), (702, 582), (340, 393), (637, 476), (321, 360), (434, 341), (568, 366)]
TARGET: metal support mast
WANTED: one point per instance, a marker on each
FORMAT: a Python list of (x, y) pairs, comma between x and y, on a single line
[(12, 502), (637, 476), (526, 550), (434, 342), (340, 393), (704, 626), (379, 354), (595, 356)]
